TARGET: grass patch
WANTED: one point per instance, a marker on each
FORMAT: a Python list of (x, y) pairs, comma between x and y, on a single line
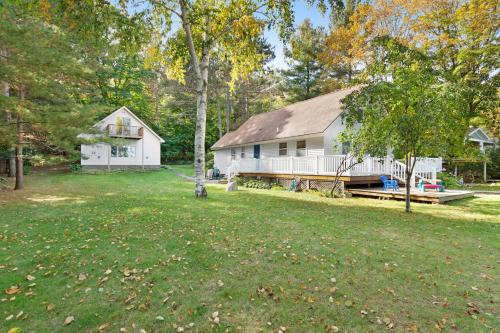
[(119, 250), (187, 169)]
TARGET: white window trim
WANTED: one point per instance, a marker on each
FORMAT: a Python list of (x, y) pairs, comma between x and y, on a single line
[(285, 149)]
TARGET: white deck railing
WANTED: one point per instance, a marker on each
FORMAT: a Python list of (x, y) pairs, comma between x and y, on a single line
[(425, 168), (313, 165)]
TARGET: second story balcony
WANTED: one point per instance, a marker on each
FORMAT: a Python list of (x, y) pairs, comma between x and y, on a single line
[(124, 131)]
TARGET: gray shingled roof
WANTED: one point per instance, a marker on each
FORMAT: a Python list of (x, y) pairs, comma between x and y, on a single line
[(312, 116)]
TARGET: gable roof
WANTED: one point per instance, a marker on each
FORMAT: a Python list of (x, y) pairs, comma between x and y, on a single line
[(124, 108), (477, 134), (312, 116)]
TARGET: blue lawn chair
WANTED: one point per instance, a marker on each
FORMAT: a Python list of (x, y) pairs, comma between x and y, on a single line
[(216, 173), (389, 184)]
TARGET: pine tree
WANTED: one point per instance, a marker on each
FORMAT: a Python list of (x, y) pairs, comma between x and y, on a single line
[(47, 85), (302, 80)]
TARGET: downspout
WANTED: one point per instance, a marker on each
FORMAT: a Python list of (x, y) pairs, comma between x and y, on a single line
[(142, 153)]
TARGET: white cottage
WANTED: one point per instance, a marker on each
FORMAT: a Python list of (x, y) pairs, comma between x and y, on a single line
[(479, 137), (138, 145), (301, 140)]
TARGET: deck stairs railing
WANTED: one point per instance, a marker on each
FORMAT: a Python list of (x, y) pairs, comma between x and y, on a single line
[(422, 170)]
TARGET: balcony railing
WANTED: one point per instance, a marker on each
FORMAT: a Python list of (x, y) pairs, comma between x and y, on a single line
[(123, 131)]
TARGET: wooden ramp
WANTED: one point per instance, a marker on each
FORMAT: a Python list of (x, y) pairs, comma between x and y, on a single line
[(415, 195)]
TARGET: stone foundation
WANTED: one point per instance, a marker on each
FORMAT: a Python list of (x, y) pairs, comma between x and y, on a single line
[(120, 167)]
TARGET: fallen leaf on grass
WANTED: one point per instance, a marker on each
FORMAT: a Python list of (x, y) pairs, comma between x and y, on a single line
[(30, 277), (68, 320), (472, 308), (12, 290), (103, 327)]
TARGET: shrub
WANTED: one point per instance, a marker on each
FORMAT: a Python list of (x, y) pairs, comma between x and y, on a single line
[(449, 180), (27, 168), (209, 160), (494, 162), (75, 167), (277, 187), (257, 183)]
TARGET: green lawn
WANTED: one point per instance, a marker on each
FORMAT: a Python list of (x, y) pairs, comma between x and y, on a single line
[(186, 169), (493, 187), (137, 251)]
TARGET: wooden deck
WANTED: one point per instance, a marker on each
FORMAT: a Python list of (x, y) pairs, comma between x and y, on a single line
[(415, 195), (348, 180)]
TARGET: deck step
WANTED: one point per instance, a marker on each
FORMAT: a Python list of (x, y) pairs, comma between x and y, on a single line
[(222, 181)]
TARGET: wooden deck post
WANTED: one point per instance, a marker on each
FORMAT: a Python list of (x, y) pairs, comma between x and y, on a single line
[(291, 165)]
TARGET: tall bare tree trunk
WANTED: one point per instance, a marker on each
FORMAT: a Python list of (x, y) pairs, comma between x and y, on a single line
[(12, 165), (8, 119), (229, 106), (219, 117), (245, 107), (19, 155), (157, 96), (201, 120), (19, 144), (201, 70)]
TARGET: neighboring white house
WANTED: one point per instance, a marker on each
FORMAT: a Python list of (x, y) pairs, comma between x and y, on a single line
[(480, 138), (302, 139), (138, 146)]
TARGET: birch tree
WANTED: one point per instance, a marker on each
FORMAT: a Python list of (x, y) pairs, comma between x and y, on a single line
[(232, 30)]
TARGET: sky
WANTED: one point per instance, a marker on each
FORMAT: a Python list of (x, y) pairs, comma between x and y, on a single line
[(302, 12)]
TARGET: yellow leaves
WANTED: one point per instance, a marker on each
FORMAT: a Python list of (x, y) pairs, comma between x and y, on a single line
[(246, 26), (347, 45), (45, 6), (175, 70)]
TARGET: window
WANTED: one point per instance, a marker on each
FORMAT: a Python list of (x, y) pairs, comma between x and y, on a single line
[(233, 153), (301, 148), (283, 149), (242, 152), (122, 151), (346, 148)]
